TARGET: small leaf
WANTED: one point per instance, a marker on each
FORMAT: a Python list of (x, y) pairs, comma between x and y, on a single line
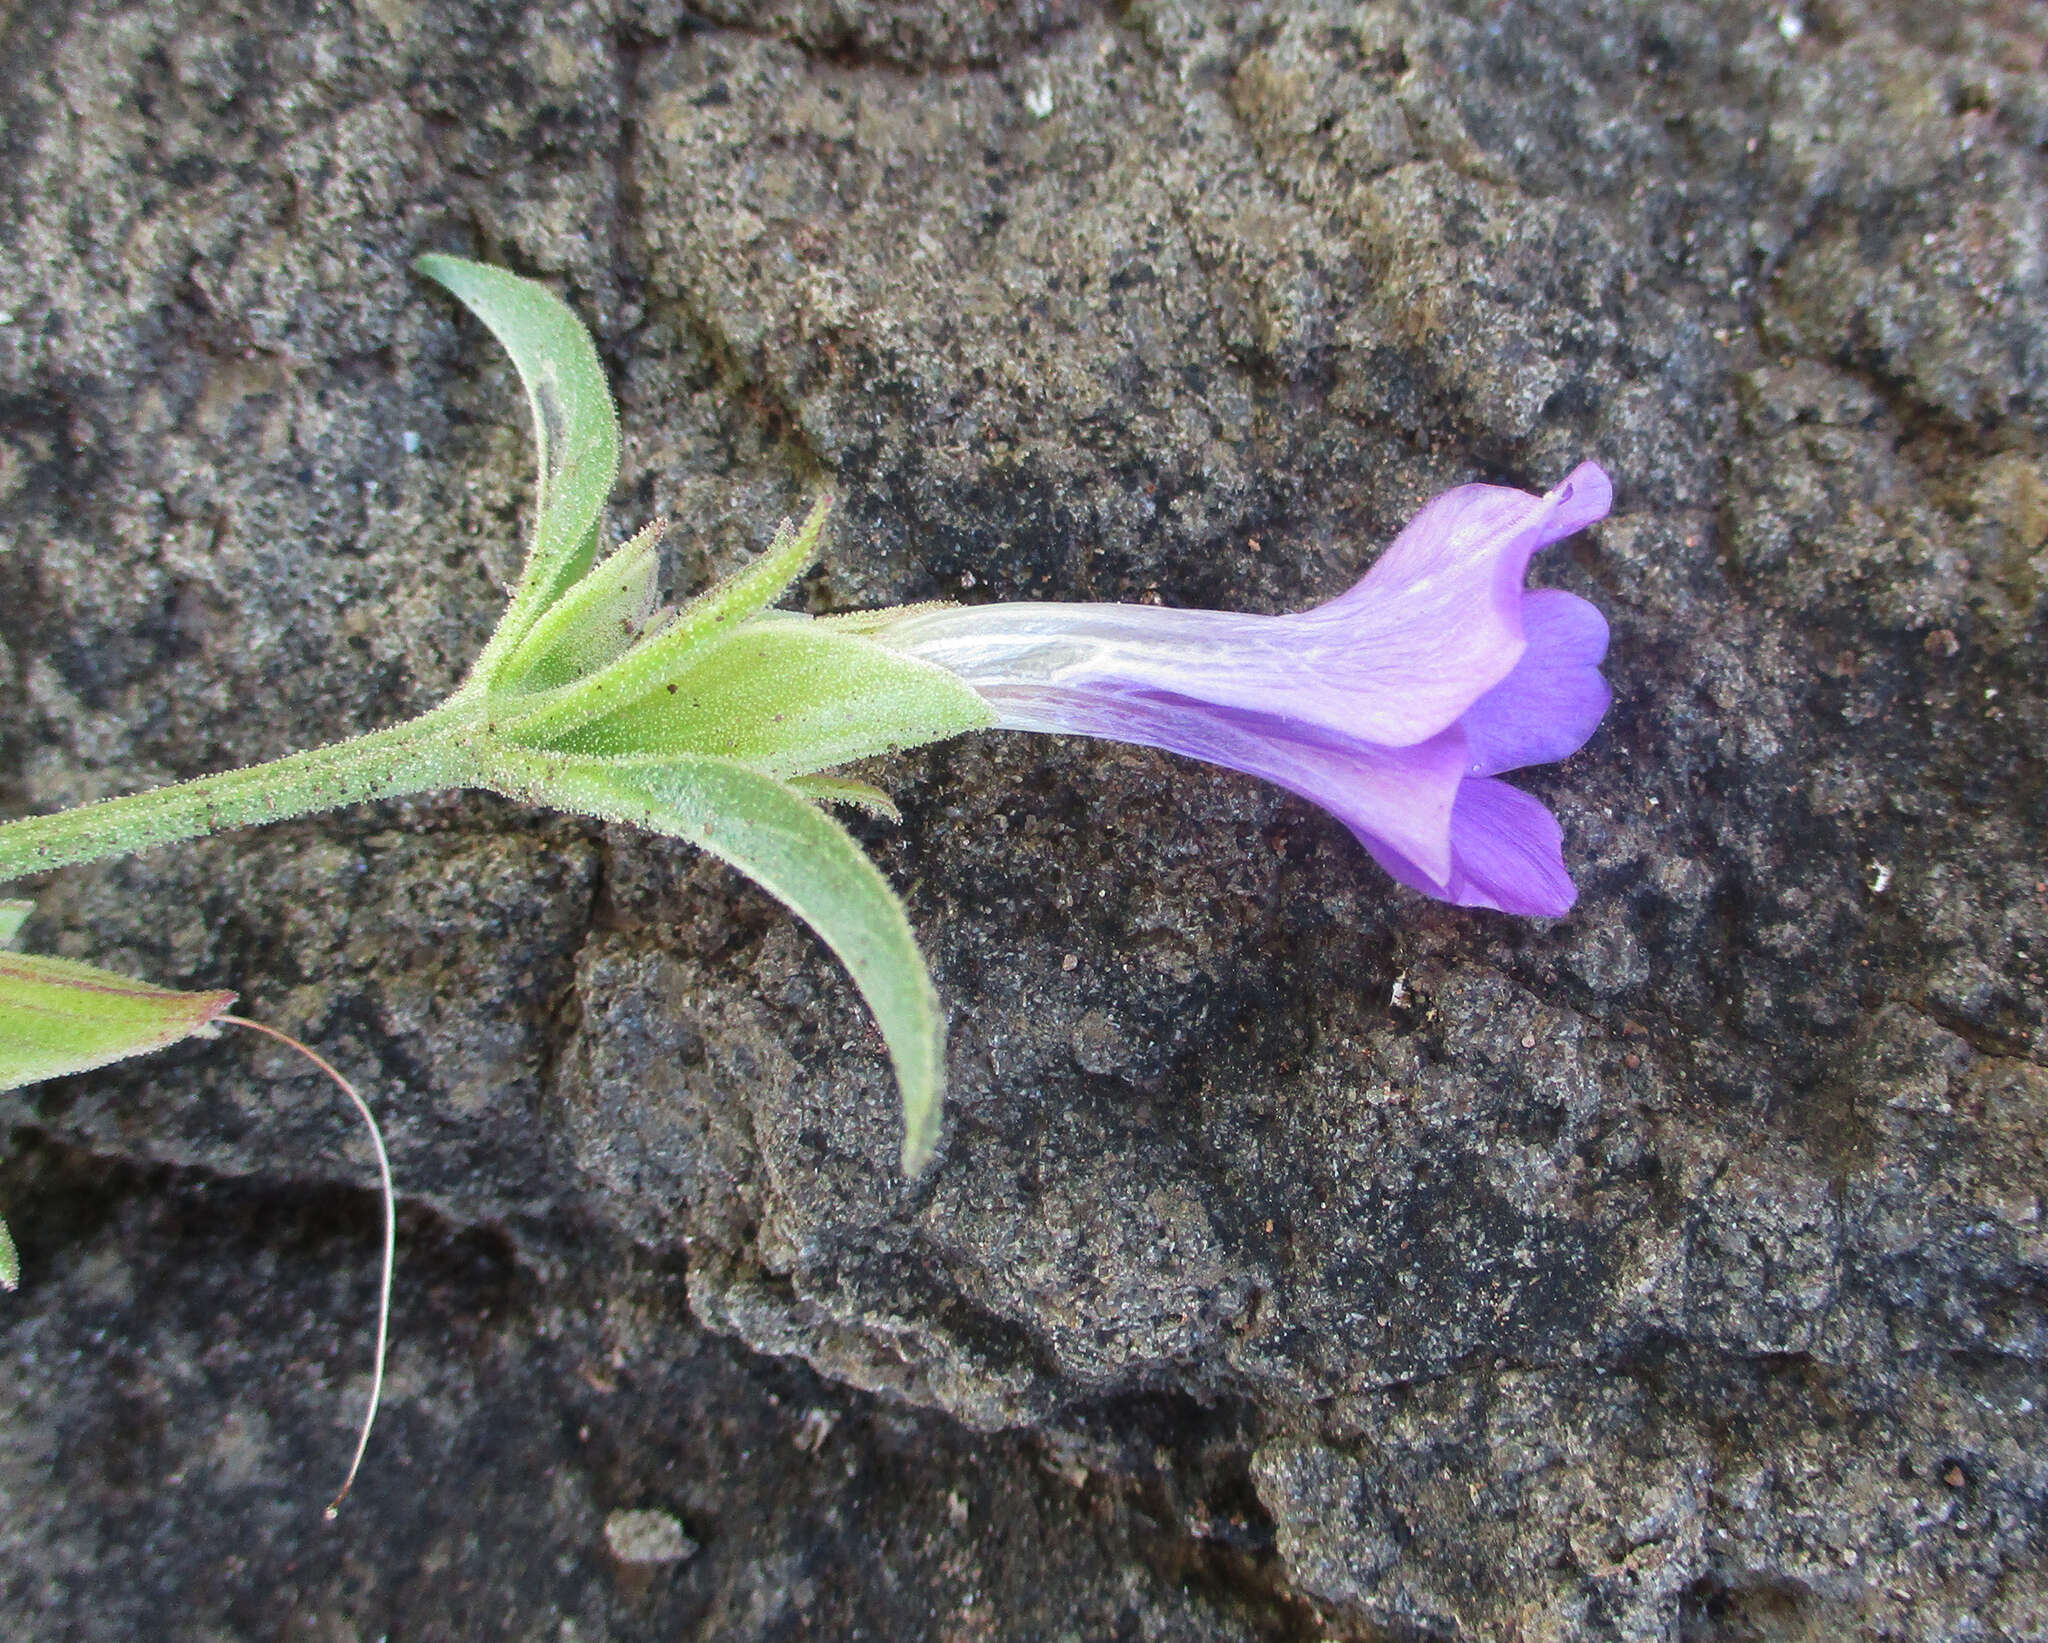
[(10, 1260), (650, 664), (804, 859), (575, 431), (591, 625), (13, 915), (59, 1017), (786, 698), (844, 790)]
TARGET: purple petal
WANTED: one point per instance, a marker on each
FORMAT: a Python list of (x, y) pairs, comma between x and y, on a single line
[(1440, 612), (1493, 529), (1550, 704), (1507, 853), (1583, 499), (1402, 796)]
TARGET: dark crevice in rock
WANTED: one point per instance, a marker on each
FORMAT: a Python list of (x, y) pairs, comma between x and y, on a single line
[(616, 1408)]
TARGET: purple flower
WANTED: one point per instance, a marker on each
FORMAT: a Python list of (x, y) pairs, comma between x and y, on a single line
[(1393, 706)]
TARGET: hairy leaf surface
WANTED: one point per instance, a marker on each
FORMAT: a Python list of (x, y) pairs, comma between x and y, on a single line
[(805, 859), (575, 432)]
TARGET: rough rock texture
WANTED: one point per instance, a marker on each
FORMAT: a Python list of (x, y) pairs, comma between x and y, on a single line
[(1303, 1259)]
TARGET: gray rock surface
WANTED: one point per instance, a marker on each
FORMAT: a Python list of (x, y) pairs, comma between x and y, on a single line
[(1303, 1259)]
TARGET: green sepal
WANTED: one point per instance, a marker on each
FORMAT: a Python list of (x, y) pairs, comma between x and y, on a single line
[(59, 1017), (867, 622), (845, 790), (786, 698), (650, 664), (591, 625), (575, 432), (803, 858)]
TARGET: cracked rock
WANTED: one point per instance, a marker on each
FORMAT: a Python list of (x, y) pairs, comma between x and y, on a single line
[(1302, 1258)]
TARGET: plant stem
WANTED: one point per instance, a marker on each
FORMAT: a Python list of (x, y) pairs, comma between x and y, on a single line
[(425, 753)]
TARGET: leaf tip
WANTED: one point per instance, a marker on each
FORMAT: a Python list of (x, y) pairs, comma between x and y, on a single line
[(814, 521), (917, 1155), (924, 1106), (436, 265), (208, 1008)]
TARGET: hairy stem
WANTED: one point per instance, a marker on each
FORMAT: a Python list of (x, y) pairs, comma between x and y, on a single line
[(420, 755)]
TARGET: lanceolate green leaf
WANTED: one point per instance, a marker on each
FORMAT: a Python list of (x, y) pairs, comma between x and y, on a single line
[(60, 1017), (803, 858), (787, 698), (575, 430)]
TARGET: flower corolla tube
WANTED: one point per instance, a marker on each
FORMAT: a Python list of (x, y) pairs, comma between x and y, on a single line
[(1395, 706)]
